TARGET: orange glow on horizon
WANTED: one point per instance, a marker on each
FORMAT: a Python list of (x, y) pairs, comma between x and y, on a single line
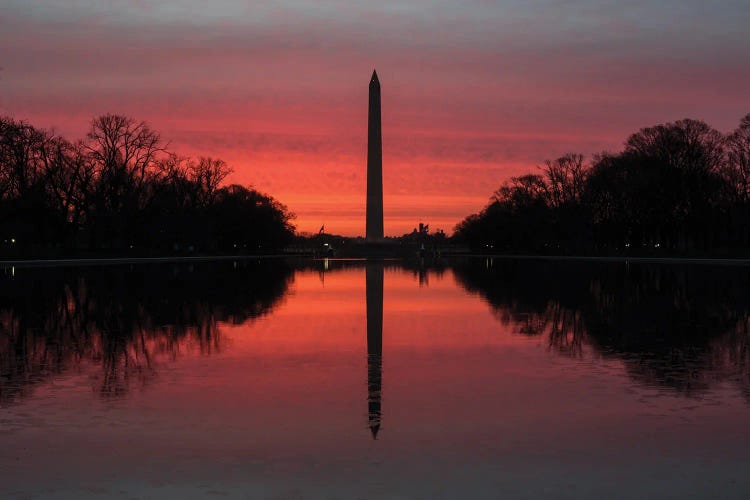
[(283, 98)]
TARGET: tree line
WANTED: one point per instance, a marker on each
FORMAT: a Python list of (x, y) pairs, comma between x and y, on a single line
[(678, 188), (121, 189)]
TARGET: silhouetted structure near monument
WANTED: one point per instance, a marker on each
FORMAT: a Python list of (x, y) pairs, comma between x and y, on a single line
[(374, 229), (374, 283)]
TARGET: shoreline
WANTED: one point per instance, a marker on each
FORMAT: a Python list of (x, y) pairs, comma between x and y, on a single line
[(94, 261), (726, 261)]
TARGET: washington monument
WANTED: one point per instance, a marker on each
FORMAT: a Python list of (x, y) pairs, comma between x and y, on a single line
[(374, 229)]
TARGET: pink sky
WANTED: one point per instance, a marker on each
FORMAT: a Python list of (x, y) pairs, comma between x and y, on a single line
[(473, 92)]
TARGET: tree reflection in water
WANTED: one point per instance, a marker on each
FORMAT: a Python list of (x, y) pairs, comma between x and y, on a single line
[(123, 317), (679, 327), (682, 327)]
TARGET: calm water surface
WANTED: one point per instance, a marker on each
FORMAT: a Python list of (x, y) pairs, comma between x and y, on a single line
[(341, 379)]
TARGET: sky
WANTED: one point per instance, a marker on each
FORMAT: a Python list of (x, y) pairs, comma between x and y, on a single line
[(473, 92)]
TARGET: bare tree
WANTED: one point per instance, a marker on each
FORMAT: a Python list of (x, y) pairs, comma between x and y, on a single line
[(20, 157), (207, 175), (125, 153), (566, 178), (68, 177), (524, 191), (738, 158), (690, 145)]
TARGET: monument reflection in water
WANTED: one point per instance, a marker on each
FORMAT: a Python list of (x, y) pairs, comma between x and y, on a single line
[(523, 378), (374, 275)]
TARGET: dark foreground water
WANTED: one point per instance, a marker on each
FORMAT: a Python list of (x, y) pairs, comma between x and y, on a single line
[(478, 379)]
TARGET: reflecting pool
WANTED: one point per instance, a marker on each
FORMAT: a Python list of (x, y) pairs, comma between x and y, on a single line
[(474, 378)]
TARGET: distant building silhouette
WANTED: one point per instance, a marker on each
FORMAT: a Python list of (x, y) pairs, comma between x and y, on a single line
[(374, 229), (374, 285)]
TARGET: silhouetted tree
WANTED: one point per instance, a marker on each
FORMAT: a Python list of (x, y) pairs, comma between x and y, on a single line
[(206, 176), (566, 178), (67, 178), (677, 187), (125, 155), (738, 159), (245, 218), (120, 189), (27, 205), (668, 188), (531, 213)]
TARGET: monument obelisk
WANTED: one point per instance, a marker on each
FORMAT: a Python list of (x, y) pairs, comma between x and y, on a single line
[(374, 226)]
